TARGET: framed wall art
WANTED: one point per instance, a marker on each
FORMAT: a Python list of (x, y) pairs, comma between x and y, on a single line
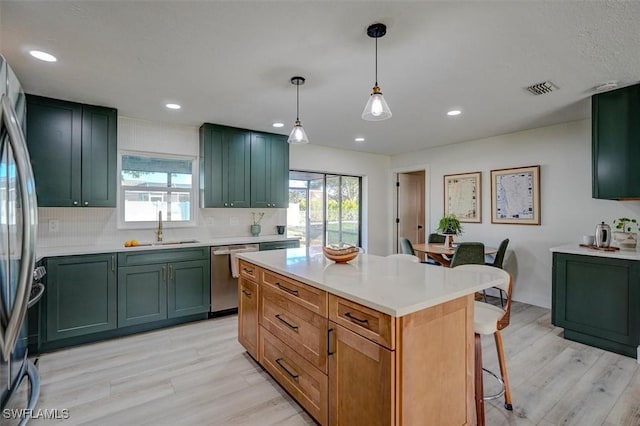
[(462, 196), (515, 195)]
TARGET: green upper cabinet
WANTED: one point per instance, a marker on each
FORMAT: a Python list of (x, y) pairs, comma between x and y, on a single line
[(242, 168), (224, 166), (269, 170), (616, 143), (73, 150)]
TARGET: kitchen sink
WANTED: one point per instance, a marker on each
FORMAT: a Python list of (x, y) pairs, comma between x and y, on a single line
[(168, 243)]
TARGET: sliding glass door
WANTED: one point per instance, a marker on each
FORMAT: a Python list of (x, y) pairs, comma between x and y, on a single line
[(324, 208)]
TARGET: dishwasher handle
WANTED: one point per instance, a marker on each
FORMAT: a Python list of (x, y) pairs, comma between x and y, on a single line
[(226, 250)]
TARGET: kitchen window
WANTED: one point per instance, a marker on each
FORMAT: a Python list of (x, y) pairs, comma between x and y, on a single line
[(150, 183), (324, 208)]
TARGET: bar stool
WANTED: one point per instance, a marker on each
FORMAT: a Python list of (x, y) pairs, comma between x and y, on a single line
[(490, 319)]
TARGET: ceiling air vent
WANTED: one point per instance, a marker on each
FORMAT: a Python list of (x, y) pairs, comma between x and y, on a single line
[(542, 88)]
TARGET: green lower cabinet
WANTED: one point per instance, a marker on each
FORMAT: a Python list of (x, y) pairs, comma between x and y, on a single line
[(80, 295), (142, 294), (188, 288), (597, 301)]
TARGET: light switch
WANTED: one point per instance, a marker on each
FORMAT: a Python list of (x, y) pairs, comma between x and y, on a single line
[(54, 225)]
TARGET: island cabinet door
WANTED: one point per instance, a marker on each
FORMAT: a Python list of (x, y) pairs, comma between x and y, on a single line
[(248, 315), (361, 380)]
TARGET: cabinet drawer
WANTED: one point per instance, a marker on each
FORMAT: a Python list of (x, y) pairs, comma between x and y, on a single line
[(301, 328), (147, 257), (304, 382), (310, 297), (367, 322), (249, 270)]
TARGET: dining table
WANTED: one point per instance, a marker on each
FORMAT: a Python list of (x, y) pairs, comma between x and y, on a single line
[(442, 254)]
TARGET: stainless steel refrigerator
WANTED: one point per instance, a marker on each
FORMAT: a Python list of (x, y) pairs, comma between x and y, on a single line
[(19, 379)]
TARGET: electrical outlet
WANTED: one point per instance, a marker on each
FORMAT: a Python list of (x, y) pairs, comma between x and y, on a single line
[(233, 221), (54, 225)]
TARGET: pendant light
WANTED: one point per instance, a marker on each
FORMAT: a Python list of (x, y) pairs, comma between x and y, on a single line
[(298, 135), (376, 108)]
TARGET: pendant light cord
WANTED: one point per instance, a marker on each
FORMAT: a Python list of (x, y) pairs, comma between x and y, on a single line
[(376, 61), (298, 101)]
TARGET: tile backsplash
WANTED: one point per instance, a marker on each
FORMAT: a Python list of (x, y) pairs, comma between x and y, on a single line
[(93, 226)]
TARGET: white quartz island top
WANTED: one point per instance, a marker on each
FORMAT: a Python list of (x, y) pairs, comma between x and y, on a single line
[(393, 286), (585, 251)]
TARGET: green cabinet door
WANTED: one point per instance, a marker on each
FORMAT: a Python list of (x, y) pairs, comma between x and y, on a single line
[(189, 288), (54, 139), (615, 133), (99, 156), (224, 166), (597, 301), (80, 295), (142, 294), (73, 150), (269, 170)]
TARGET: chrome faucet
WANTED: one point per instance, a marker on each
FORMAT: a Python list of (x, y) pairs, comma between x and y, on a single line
[(159, 231)]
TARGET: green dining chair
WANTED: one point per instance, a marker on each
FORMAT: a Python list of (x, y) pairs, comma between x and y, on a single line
[(499, 257), (468, 253), (406, 247), (435, 239)]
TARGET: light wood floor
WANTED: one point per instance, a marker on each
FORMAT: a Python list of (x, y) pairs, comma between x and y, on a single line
[(198, 374)]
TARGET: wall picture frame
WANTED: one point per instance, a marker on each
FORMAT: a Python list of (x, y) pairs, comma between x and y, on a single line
[(515, 195), (463, 196)]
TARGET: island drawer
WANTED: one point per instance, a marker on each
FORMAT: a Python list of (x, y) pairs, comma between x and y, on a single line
[(304, 330), (308, 385), (249, 270), (308, 296), (365, 321)]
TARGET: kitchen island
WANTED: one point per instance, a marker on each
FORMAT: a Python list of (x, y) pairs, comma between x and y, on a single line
[(376, 341)]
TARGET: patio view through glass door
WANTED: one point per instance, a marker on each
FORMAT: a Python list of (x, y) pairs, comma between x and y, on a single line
[(324, 208)]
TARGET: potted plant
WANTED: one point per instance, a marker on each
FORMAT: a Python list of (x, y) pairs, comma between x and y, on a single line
[(449, 225), (625, 236), (255, 226)]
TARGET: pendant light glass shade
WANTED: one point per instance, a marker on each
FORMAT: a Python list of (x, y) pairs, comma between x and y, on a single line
[(298, 135), (376, 108)]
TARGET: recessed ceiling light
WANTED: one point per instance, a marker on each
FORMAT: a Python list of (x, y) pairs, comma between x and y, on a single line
[(609, 85), (278, 124), (43, 56), (173, 106), (454, 112), (359, 139)]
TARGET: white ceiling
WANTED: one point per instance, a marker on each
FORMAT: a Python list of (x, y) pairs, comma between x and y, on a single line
[(230, 62)]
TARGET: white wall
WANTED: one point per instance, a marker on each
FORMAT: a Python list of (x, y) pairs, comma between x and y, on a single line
[(567, 210), (375, 188), (91, 226)]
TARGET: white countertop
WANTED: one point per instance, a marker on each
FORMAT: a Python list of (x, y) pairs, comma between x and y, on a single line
[(111, 247), (576, 249), (394, 286)]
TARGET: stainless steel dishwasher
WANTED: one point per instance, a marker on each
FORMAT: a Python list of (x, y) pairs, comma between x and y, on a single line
[(224, 287)]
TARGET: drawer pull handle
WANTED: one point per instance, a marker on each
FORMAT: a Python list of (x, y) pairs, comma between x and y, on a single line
[(288, 290), (286, 369), (287, 323), (329, 351), (247, 270), (354, 318), (246, 293)]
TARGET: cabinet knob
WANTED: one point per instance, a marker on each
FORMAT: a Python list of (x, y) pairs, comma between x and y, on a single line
[(75, 203), (231, 204), (268, 205), (225, 204), (86, 203)]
